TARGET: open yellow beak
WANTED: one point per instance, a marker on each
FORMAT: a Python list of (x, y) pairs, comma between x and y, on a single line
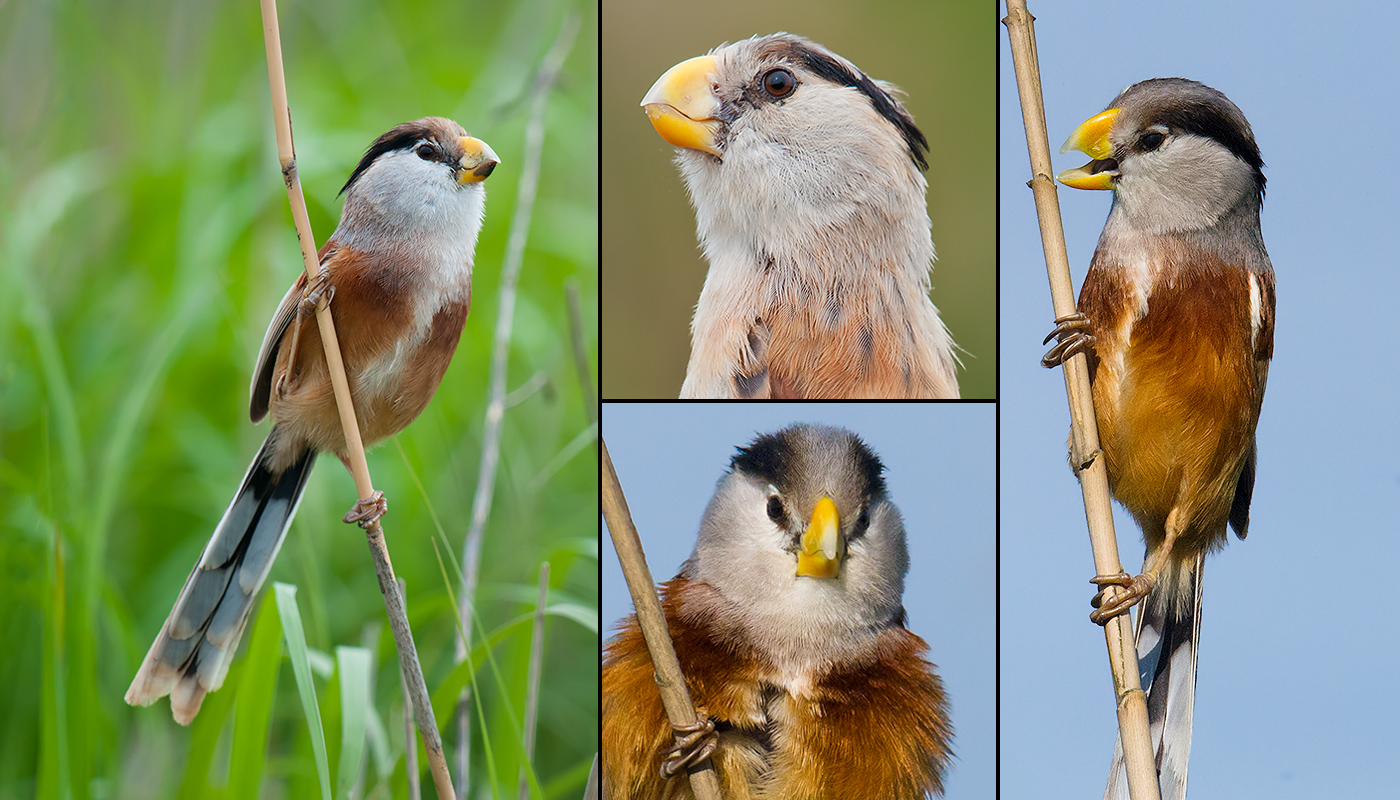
[(822, 550), (1091, 138), (478, 160), (681, 105)]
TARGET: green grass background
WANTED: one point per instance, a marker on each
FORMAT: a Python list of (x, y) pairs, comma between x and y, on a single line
[(145, 240), (941, 53)]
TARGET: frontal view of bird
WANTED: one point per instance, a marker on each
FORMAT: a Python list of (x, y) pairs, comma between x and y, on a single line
[(397, 277), (788, 623), (1176, 317), (807, 180)]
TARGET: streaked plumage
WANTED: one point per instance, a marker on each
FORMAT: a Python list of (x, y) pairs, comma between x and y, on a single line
[(806, 178)]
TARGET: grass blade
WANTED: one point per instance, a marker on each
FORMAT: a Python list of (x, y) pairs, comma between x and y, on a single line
[(301, 667), (355, 700), (252, 708)]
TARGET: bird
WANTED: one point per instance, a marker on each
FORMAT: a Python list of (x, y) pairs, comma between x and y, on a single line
[(807, 181), (788, 624), (396, 274), (1176, 318)]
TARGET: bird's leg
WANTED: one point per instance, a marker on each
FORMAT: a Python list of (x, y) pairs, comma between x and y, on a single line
[(694, 743), (310, 298), (1135, 587), (1072, 336), (318, 287), (366, 512)]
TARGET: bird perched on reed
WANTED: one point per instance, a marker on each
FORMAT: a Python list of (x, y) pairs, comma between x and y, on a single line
[(397, 276), (1176, 317), (806, 178), (789, 628)]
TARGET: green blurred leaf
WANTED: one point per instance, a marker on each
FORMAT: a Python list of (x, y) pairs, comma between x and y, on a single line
[(252, 709), (355, 702), (301, 667)]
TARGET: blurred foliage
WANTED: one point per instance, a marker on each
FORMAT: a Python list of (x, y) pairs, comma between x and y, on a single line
[(145, 241), (942, 54)]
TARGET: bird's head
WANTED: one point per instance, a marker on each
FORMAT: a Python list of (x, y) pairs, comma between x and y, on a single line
[(425, 174), (1177, 154), (802, 542), (785, 131)]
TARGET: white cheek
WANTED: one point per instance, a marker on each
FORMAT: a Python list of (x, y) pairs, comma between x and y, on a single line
[(1188, 184), (413, 207)]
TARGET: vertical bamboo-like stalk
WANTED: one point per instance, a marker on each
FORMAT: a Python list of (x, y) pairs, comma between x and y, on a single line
[(532, 686), (675, 697), (359, 467), (500, 349), (1084, 433)]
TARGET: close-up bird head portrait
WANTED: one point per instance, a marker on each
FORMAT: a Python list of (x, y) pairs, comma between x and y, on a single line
[(1178, 155), (789, 625), (806, 178), (818, 176)]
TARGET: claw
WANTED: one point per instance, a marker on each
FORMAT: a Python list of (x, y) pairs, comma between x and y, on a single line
[(694, 743), (366, 512), (319, 286), (1072, 332), (1135, 588)]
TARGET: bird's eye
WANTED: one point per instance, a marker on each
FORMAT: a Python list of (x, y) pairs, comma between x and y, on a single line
[(425, 152), (862, 522), (779, 83), (776, 512), (1151, 141)]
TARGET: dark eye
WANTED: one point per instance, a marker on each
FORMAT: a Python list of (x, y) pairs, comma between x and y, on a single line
[(862, 522), (776, 512), (1151, 141), (426, 152), (779, 83)]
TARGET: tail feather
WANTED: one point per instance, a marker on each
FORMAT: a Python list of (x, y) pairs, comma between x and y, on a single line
[(1168, 630), (191, 655)]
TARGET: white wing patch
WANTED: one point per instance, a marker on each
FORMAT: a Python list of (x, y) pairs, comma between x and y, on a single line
[(1256, 315)]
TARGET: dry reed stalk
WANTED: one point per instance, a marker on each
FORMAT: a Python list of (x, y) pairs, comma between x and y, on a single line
[(359, 468), (496, 406), (1084, 434), (675, 696)]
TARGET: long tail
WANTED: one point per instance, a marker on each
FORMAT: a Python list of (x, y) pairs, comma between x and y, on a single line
[(191, 654), (1166, 650)]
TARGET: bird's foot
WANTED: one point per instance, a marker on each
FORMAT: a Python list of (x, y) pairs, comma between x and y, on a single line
[(1072, 336), (1135, 588), (366, 512), (694, 743), (319, 287)]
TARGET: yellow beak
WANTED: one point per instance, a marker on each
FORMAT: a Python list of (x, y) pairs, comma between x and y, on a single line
[(478, 160), (682, 106), (822, 549), (1091, 138)]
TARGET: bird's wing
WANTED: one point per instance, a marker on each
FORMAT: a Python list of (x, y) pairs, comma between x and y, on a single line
[(260, 392), (1166, 649), (1261, 296)]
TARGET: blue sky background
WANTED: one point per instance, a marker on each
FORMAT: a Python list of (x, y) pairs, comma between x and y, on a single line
[(1296, 696), (940, 469)]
